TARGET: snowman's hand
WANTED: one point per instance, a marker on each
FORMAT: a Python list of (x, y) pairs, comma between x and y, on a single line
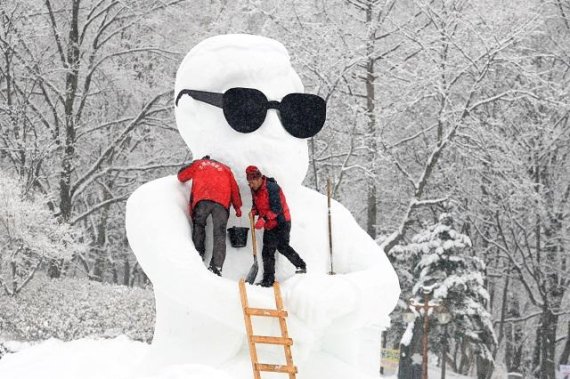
[(319, 299)]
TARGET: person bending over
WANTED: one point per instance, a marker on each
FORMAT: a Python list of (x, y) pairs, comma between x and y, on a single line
[(213, 189)]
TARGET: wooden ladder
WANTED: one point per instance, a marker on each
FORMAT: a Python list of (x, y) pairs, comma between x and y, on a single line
[(284, 340)]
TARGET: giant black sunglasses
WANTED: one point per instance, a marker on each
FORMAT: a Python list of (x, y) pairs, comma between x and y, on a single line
[(302, 115)]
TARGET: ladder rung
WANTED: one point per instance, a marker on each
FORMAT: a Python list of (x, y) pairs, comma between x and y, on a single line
[(265, 312), (272, 340), (276, 368)]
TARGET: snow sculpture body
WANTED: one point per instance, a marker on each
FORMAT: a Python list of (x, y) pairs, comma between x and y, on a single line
[(335, 321)]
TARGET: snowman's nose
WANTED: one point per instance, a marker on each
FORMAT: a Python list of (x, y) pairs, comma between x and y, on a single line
[(272, 125)]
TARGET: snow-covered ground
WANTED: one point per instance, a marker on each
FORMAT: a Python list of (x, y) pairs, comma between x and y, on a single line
[(89, 359), (104, 359), (84, 358)]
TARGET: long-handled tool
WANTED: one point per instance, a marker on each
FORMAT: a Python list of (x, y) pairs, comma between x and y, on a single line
[(252, 274), (329, 195)]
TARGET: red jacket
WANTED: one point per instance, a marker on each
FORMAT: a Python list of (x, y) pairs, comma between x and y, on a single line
[(211, 180), (269, 203)]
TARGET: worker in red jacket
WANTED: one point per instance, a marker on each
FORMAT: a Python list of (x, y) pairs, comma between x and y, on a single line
[(270, 205), (213, 189)]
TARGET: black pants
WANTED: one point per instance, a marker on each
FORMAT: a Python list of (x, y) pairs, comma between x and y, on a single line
[(220, 216), (278, 239)]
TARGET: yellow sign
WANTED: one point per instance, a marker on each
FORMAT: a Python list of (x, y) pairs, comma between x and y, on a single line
[(390, 358)]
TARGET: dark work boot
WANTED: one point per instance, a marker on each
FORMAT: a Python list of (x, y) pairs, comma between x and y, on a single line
[(216, 270), (267, 280)]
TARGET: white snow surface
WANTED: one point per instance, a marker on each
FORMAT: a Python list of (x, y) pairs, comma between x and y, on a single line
[(334, 320), (85, 358), (89, 358), (111, 359)]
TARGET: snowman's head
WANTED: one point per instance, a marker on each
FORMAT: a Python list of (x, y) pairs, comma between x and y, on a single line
[(227, 88)]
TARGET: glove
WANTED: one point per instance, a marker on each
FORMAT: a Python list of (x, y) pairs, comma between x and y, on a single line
[(184, 168), (260, 223), (271, 224), (253, 211), (238, 212)]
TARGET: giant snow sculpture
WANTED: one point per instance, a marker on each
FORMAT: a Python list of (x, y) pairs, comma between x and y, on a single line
[(335, 320)]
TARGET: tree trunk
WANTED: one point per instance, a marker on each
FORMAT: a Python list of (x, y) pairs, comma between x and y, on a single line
[(126, 271), (371, 219), (13, 271), (455, 355), (548, 326), (503, 310), (566, 351), (407, 351), (98, 265), (71, 64), (514, 341), (536, 357), (114, 272), (134, 274), (464, 359), (485, 368)]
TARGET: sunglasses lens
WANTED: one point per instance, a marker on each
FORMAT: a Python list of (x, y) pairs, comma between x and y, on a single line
[(303, 115), (244, 109)]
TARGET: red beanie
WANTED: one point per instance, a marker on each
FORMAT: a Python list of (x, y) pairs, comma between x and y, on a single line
[(252, 172)]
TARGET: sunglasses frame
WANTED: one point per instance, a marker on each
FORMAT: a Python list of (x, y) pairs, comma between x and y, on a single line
[(213, 98), (216, 99)]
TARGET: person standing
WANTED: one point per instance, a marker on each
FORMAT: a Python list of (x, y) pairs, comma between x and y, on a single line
[(270, 205), (213, 189)]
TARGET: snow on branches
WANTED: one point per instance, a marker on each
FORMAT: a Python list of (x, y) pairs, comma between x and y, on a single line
[(29, 236)]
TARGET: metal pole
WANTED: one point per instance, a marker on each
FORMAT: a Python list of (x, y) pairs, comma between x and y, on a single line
[(444, 352), (329, 196), (382, 348), (425, 337)]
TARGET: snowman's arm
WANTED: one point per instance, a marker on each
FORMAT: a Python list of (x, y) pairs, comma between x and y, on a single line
[(187, 172), (364, 289), (366, 266), (160, 236), (235, 194)]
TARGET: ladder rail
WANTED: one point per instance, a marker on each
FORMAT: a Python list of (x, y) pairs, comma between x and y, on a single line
[(249, 330), (283, 325)]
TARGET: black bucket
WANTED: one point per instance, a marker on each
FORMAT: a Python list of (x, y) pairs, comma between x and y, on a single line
[(238, 236)]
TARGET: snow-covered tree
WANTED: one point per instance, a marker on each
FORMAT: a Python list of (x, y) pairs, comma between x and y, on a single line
[(29, 236), (443, 260)]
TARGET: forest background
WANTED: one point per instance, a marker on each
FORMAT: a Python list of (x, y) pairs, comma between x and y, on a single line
[(434, 107)]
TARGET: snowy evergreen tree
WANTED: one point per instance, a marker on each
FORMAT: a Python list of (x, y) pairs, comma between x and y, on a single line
[(443, 256)]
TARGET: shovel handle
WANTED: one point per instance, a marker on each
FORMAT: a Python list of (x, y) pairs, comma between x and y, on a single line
[(329, 196), (253, 239)]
